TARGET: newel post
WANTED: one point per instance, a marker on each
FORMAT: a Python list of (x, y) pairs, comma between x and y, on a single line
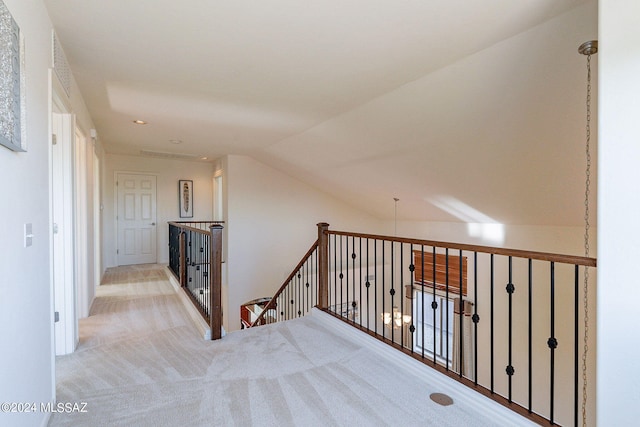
[(323, 265), (215, 282), (182, 263)]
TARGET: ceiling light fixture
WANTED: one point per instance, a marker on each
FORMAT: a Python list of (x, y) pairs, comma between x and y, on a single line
[(175, 141), (395, 319), (140, 122), (203, 158)]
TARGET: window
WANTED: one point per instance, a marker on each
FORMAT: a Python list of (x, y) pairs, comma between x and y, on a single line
[(434, 332), (433, 335), (218, 212)]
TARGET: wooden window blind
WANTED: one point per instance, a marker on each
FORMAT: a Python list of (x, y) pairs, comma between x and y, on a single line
[(455, 275)]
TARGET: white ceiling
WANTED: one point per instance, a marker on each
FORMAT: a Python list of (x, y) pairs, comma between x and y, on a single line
[(466, 111)]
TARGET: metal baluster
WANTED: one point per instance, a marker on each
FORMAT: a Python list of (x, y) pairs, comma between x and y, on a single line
[(476, 318), (353, 282), (392, 293), (375, 284), (304, 289), (491, 321), (412, 269), (360, 259), (422, 296), (552, 343), (347, 264), (530, 333), (462, 313), (335, 273), (575, 350), (204, 300), (446, 312), (341, 276), (368, 285), (383, 329), (402, 293), (299, 291), (434, 303), (510, 290)]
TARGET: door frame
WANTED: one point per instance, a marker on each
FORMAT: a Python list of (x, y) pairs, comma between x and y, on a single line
[(115, 213), (61, 190), (81, 223), (97, 220)]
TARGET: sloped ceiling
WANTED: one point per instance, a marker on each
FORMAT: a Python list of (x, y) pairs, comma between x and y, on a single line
[(466, 111)]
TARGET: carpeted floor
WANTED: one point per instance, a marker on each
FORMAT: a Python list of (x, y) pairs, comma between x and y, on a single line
[(141, 362)]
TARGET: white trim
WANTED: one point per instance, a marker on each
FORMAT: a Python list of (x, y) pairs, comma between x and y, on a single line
[(51, 271), (81, 258), (97, 223), (193, 313), (62, 210), (449, 386), (45, 420)]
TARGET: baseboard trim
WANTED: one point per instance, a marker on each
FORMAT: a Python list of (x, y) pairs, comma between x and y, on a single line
[(198, 321)]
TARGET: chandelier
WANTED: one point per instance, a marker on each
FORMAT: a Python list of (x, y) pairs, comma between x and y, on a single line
[(395, 319)]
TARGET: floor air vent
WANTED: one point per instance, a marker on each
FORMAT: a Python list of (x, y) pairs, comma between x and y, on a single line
[(441, 399)]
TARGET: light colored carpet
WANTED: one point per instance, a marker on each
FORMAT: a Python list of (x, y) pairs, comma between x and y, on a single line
[(141, 362)]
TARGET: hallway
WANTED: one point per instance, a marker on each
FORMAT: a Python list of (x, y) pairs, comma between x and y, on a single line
[(141, 362)]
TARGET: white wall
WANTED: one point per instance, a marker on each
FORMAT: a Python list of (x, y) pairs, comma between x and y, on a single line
[(169, 172), (271, 223), (555, 239), (618, 207), (26, 315), (500, 130)]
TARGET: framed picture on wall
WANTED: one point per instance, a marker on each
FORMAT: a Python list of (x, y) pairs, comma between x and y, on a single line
[(12, 83), (185, 197)]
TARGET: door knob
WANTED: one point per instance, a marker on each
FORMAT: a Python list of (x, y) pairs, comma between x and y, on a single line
[(153, 223)]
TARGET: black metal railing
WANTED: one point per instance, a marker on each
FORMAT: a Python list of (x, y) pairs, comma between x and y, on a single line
[(503, 322), (297, 295), (195, 258)]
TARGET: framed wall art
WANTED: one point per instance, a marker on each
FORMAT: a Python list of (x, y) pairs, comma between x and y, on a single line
[(185, 197), (12, 83)]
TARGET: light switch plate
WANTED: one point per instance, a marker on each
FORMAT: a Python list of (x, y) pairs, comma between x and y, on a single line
[(28, 235)]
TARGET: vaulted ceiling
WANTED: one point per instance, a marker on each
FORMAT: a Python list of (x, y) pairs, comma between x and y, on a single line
[(466, 111)]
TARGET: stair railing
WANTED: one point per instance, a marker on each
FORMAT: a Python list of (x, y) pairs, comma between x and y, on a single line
[(297, 295), (195, 258), (504, 322)]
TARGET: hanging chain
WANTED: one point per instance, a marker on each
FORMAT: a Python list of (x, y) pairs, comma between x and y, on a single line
[(586, 247)]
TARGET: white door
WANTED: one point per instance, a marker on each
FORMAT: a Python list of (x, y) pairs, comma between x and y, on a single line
[(136, 218)]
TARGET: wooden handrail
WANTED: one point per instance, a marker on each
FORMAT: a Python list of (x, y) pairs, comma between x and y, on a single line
[(285, 284), (180, 223), (542, 256), (198, 230)]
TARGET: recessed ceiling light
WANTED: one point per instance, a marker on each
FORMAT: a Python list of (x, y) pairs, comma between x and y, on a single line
[(203, 158), (140, 122), (175, 141)]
